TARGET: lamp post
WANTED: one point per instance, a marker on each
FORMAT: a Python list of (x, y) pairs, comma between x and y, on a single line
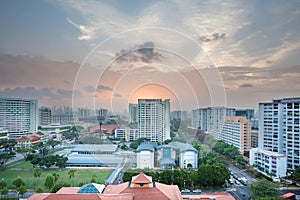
[(100, 121)]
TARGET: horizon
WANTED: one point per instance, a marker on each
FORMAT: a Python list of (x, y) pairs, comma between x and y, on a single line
[(108, 54)]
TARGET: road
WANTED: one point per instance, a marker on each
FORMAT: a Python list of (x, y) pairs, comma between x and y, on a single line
[(129, 162), (237, 173), (238, 190)]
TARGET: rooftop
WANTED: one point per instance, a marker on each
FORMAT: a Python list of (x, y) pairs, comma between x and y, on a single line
[(95, 148)]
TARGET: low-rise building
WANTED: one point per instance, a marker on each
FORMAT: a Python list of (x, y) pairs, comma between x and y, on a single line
[(3, 134), (28, 140), (127, 134), (145, 156), (270, 163), (188, 155), (141, 187), (166, 156)]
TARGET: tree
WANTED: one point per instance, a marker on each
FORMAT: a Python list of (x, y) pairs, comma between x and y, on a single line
[(56, 177), (18, 182), (3, 184), (39, 190), (4, 191), (59, 185), (49, 181), (61, 161), (8, 145), (263, 188), (240, 160), (25, 152), (21, 190), (34, 159), (94, 177), (71, 173), (4, 157), (37, 172), (53, 143)]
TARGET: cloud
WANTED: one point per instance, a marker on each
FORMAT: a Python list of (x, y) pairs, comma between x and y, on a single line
[(139, 53), (213, 37), (117, 95), (246, 85), (89, 89), (104, 88)]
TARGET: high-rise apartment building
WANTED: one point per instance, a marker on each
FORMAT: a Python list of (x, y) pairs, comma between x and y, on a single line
[(179, 115), (18, 116), (133, 113), (154, 119), (248, 113), (279, 132), (44, 116), (209, 119), (236, 131)]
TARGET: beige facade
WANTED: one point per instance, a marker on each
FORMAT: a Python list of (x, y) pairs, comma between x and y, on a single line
[(236, 130)]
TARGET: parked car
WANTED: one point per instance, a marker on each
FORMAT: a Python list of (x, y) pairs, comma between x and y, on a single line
[(197, 191)]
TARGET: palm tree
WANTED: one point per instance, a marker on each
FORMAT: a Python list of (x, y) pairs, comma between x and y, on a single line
[(56, 176), (71, 173), (37, 172)]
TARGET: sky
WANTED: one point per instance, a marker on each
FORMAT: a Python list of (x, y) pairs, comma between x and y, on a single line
[(93, 54)]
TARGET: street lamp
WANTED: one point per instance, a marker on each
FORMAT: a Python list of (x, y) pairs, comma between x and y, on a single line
[(100, 121)]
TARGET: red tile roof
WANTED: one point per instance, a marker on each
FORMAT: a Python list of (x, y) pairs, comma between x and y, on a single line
[(288, 195), (216, 195), (106, 128), (55, 196), (68, 190), (141, 178), (158, 192)]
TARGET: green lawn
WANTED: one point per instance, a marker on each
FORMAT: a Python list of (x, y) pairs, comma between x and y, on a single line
[(25, 171)]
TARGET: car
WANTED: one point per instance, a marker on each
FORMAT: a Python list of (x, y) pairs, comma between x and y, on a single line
[(185, 191), (197, 191)]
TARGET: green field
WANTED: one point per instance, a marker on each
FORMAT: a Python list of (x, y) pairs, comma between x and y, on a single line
[(25, 171)]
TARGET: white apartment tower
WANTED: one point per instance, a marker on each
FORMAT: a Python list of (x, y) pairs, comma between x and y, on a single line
[(209, 119), (18, 116), (154, 119), (279, 128), (279, 131)]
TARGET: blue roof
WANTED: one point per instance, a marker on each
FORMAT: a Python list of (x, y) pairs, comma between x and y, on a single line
[(154, 144), (91, 188), (183, 146), (145, 147), (165, 146), (93, 159)]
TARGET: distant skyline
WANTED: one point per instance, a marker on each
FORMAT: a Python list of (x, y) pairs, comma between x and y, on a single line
[(110, 53)]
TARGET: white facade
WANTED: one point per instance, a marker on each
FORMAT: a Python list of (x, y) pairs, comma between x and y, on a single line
[(188, 155), (236, 131), (127, 134), (270, 163), (18, 116), (145, 156), (154, 119), (3, 133), (279, 130), (209, 119)]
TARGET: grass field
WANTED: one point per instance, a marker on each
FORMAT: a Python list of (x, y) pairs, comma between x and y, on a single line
[(25, 171)]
